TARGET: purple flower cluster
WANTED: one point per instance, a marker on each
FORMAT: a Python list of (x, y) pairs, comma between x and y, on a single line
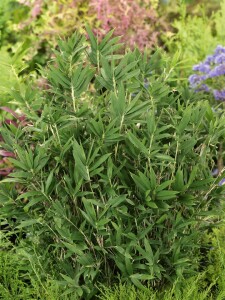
[(215, 173), (222, 182), (211, 69)]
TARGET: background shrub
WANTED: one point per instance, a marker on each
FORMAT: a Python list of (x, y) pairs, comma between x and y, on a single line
[(140, 24), (137, 23), (197, 31)]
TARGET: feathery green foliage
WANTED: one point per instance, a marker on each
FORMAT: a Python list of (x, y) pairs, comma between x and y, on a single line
[(15, 284)]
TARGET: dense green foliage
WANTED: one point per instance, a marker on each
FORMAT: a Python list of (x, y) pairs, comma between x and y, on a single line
[(113, 172), (117, 185)]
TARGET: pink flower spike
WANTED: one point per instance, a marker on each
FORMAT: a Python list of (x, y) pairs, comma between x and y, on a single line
[(5, 171), (10, 111), (8, 121), (7, 153)]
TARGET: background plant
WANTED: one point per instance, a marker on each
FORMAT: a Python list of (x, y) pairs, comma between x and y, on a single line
[(187, 36), (138, 23), (49, 20)]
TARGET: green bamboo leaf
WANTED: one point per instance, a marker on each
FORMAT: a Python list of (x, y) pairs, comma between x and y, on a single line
[(128, 262), (164, 185), (137, 283), (141, 181), (145, 255), (179, 181), (49, 181), (125, 71), (121, 64), (114, 202), (150, 203), (87, 217), (192, 175), (96, 127), (20, 174), (68, 279), (97, 171), (152, 179), (15, 180), (188, 146), (132, 105), (181, 261), (30, 194), (123, 252), (87, 260), (108, 85), (18, 164), (28, 223), (116, 108), (78, 152), (106, 69), (110, 167), (131, 74), (29, 158), (148, 247), (107, 39), (89, 209), (102, 222), (165, 157), (112, 46), (137, 143), (202, 184), (137, 110), (58, 208), (92, 38), (100, 161), (184, 121), (141, 277), (151, 125), (80, 162), (74, 248), (33, 202), (162, 219), (59, 78), (166, 195), (42, 163)]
